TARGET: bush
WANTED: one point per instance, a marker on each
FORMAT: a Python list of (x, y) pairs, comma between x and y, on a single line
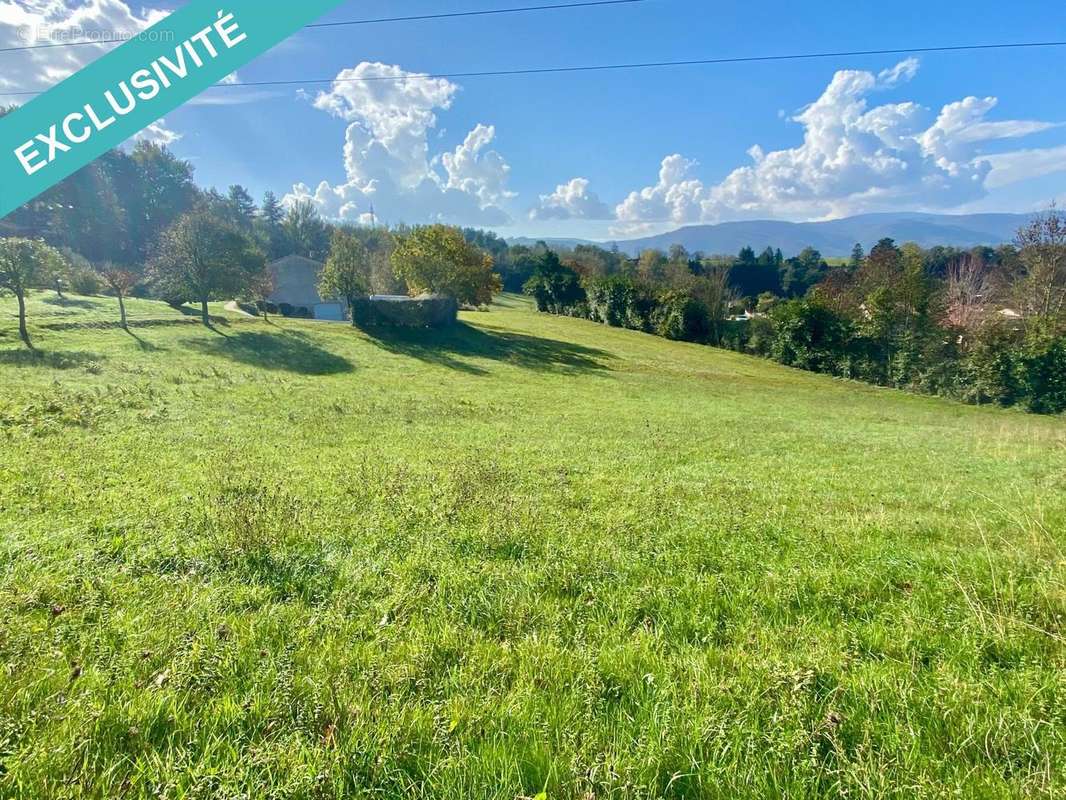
[(895, 335), (990, 369), (555, 288), (1042, 373), (811, 336), (429, 311), (84, 281), (939, 370), (681, 317), (257, 307), (296, 312), (79, 275), (741, 336), (622, 302)]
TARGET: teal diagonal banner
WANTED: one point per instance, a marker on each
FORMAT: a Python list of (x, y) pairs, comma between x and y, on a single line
[(128, 89)]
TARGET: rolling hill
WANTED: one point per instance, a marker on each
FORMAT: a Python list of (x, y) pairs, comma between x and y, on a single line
[(834, 238), (529, 556)]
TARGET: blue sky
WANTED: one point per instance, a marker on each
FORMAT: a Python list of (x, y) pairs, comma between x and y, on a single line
[(605, 155)]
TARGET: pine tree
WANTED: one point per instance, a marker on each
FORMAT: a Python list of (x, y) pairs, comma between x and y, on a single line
[(268, 227), (243, 204), (271, 211), (858, 255)]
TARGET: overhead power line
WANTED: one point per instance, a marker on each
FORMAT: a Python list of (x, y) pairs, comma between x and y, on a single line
[(630, 66), (377, 21), (647, 64), (483, 13)]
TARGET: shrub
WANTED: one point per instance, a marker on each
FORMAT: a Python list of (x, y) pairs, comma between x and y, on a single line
[(431, 311), (939, 370), (79, 275), (682, 317), (174, 299), (622, 302), (555, 288), (84, 281), (608, 300), (990, 367), (811, 336), (738, 335), (297, 312), (1042, 373)]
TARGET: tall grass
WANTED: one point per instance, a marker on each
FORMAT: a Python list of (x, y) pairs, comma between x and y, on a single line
[(534, 558)]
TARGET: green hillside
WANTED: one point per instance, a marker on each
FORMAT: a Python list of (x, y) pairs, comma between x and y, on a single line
[(533, 556)]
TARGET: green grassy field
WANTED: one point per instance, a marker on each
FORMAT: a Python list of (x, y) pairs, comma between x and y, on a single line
[(530, 557)]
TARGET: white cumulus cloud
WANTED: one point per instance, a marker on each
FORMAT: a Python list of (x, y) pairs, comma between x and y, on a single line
[(571, 200), (477, 171), (854, 158), (390, 113), (30, 23), (158, 133), (675, 198), (36, 22)]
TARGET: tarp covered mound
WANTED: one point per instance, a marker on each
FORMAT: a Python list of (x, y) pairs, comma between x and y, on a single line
[(426, 311)]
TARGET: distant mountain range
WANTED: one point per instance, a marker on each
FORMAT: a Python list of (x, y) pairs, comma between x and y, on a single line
[(567, 244), (834, 239)]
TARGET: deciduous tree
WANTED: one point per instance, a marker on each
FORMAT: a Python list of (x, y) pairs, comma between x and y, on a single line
[(260, 289), (438, 259), (967, 292), (25, 263), (203, 258), (1041, 291), (120, 282), (348, 271), (652, 265), (555, 287), (159, 190), (713, 289)]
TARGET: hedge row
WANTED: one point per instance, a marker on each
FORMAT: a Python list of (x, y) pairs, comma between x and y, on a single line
[(1004, 362)]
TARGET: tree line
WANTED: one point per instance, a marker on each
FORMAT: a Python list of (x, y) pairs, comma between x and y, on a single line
[(202, 258), (984, 325), (135, 223)]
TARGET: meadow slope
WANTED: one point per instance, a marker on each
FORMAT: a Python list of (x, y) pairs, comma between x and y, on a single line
[(529, 557)]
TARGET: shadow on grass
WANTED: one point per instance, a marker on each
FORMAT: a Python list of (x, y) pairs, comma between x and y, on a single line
[(448, 347), (144, 344), (190, 311), (46, 358), (70, 302), (291, 352)]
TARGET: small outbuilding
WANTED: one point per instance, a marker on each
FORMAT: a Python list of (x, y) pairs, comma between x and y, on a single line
[(296, 290)]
